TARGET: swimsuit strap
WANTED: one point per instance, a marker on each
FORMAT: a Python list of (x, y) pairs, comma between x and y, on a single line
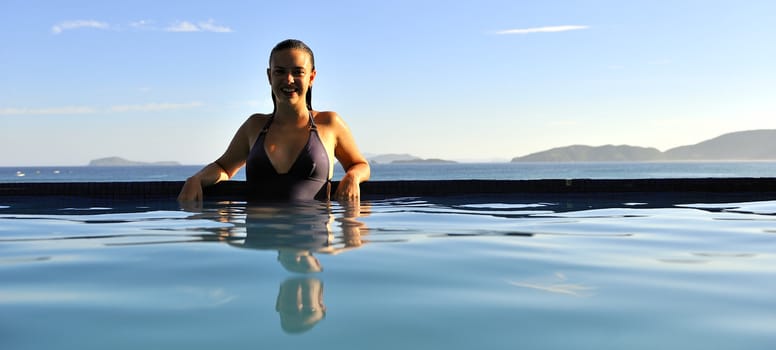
[(310, 123), (266, 126)]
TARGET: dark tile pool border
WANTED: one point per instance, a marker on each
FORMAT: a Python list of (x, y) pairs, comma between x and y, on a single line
[(233, 190)]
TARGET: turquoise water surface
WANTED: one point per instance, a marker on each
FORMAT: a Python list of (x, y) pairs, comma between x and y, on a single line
[(499, 272)]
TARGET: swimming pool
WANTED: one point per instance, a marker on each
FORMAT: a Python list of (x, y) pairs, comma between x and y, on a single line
[(539, 271)]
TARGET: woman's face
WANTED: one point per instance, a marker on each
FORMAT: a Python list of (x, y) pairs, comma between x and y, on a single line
[(290, 74)]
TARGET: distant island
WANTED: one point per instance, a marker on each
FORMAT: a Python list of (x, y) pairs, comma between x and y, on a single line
[(389, 158), (424, 161), (750, 145), (741, 145), (118, 161), (403, 158)]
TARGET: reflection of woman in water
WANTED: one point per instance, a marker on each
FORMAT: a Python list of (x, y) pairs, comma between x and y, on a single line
[(296, 232), (300, 304)]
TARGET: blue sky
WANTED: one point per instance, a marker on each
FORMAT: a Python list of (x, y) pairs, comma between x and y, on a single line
[(473, 80)]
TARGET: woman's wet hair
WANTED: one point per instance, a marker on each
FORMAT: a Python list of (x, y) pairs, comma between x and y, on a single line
[(298, 45)]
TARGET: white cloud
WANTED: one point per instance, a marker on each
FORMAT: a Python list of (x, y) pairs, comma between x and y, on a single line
[(209, 26), (183, 26), (70, 110), (68, 25), (143, 24), (552, 29), (48, 111)]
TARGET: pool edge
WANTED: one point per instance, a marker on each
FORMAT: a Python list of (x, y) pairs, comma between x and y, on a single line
[(234, 190)]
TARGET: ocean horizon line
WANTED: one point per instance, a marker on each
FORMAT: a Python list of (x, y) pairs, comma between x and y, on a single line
[(454, 161)]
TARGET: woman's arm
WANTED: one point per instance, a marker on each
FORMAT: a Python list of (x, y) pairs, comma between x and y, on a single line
[(222, 169), (209, 175), (356, 166)]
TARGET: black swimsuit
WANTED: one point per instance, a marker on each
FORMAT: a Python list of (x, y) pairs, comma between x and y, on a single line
[(308, 177)]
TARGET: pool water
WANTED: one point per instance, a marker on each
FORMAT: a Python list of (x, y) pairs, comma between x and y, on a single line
[(498, 272)]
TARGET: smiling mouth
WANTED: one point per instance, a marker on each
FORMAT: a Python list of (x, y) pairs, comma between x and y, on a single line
[(288, 91)]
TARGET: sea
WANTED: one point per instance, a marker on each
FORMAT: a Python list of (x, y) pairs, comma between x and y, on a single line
[(421, 171), (605, 271)]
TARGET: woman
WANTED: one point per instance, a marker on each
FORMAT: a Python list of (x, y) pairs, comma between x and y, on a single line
[(289, 154)]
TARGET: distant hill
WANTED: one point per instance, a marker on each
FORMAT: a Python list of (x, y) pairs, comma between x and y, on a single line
[(404, 158), (390, 158), (580, 153), (423, 161), (118, 161), (742, 145)]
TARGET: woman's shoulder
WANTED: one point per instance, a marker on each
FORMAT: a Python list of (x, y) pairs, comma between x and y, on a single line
[(253, 125), (327, 118), (257, 120), (259, 117)]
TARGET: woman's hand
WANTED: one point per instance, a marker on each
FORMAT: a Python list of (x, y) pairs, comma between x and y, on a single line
[(191, 191), (348, 189)]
